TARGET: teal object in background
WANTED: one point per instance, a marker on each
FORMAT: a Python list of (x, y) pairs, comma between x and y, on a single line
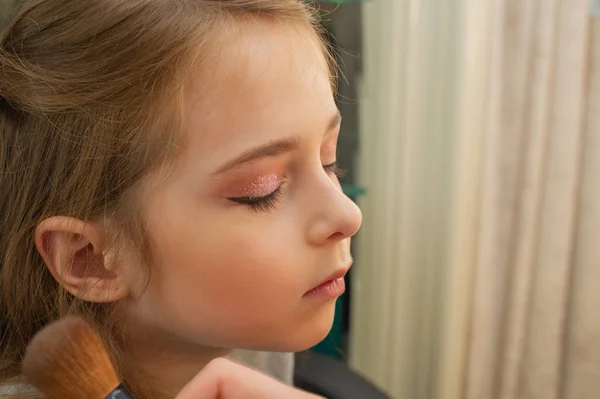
[(353, 191), (332, 344)]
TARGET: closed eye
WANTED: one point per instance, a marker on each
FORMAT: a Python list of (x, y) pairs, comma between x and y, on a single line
[(260, 204)]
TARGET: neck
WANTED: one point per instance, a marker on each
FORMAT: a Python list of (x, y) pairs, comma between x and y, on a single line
[(170, 371), (169, 364)]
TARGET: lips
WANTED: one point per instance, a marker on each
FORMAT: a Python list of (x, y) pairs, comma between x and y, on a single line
[(337, 274), (334, 276)]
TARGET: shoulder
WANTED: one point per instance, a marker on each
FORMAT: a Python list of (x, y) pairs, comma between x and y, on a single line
[(17, 389)]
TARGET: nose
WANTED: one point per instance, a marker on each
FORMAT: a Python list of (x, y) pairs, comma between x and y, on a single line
[(333, 216)]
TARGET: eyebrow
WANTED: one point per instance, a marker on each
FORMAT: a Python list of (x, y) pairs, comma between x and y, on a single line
[(273, 148)]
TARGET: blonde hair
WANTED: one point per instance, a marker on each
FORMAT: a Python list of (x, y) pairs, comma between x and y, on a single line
[(89, 93)]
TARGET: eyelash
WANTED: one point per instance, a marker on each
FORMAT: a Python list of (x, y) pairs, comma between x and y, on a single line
[(260, 204), (268, 202), (335, 170)]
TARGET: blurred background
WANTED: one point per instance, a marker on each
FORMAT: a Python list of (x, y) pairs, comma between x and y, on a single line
[(471, 137), (472, 134)]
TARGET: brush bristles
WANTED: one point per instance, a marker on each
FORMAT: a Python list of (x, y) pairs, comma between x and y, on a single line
[(68, 360)]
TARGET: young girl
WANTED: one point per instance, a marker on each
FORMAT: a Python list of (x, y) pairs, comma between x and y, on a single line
[(168, 171)]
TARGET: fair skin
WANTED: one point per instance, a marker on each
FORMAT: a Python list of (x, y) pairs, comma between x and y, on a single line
[(224, 379), (261, 121)]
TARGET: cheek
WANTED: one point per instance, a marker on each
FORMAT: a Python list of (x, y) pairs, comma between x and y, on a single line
[(229, 266), (222, 275)]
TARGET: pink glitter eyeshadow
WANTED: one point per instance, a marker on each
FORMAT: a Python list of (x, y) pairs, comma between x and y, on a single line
[(263, 186)]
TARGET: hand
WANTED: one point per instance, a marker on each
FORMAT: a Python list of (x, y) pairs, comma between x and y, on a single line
[(225, 379)]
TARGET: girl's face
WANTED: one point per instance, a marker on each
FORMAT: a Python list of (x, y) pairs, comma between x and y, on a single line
[(253, 217)]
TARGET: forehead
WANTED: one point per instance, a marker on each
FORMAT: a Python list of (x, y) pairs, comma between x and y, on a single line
[(250, 54), (262, 79)]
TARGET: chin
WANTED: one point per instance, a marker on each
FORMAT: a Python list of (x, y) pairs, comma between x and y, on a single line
[(305, 335)]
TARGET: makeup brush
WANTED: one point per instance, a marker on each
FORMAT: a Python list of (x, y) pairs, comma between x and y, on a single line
[(67, 359)]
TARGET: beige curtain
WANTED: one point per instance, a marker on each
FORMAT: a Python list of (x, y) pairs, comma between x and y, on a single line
[(535, 325), (407, 105), (531, 328), (480, 281)]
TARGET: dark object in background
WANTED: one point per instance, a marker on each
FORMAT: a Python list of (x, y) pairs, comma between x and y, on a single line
[(342, 20), (332, 378)]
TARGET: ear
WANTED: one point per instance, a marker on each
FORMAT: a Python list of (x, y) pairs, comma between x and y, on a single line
[(75, 253)]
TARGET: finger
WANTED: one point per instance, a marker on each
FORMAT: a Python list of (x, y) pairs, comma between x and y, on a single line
[(225, 379)]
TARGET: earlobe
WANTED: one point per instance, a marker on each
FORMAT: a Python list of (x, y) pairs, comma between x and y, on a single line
[(75, 253)]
